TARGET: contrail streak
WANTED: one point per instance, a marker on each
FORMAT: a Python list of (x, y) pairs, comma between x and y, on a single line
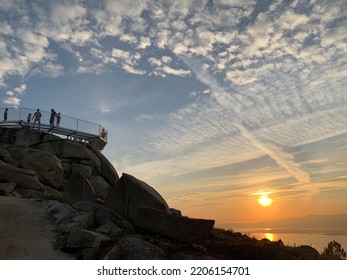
[(227, 101)]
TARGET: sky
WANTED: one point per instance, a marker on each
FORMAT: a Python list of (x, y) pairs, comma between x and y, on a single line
[(233, 110)]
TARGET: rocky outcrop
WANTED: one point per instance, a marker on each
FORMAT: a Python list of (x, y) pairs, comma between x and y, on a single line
[(143, 206), (131, 194), (55, 163), (25, 180), (99, 215)]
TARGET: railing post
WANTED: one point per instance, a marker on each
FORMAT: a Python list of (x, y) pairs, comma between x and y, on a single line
[(20, 113)]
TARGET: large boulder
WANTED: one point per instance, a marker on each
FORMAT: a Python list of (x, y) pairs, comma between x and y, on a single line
[(131, 194), (23, 178), (75, 157), (47, 167), (78, 189), (67, 149)]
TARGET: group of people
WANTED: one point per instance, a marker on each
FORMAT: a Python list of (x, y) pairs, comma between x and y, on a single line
[(55, 117), (37, 118)]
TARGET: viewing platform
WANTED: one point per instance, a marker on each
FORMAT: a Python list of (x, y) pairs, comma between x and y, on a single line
[(74, 129)]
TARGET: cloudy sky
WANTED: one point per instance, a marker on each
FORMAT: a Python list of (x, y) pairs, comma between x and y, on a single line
[(215, 103)]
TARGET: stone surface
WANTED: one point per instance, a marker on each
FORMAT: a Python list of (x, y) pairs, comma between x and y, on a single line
[(172, 226), (107, 170), (81, 238), (22, 177), (134, 248), (102, 215), (78, 189), (175, 212), (7, 188), (26, 137), (112, 254), (47, 167), (6, 157), (27, 233), (110, 229), (130, 194), (101, 187), (84, 169), (65, 149)]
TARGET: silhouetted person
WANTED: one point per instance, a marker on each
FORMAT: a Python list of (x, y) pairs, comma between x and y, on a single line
[(37, 117), (58, 119), (103, 134), (5, 115), (28, 119), (51, 119)]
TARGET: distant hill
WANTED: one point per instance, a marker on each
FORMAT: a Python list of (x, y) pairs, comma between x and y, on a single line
[(327, 224)]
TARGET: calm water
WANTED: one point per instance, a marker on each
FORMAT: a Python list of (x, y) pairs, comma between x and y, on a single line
[(316, 240)]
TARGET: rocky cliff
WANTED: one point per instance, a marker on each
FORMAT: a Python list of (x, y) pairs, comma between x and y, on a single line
[(98, 215)]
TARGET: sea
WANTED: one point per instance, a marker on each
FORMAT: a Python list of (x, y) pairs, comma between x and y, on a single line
[(291, 238)]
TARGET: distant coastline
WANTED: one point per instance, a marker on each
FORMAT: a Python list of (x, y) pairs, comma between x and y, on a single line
[(325, 231), (315, 224)]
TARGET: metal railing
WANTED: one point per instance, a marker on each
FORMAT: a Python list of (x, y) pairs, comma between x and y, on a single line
[(20, 114)]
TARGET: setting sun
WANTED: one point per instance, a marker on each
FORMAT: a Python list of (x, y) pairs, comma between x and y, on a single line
[(264, 200)]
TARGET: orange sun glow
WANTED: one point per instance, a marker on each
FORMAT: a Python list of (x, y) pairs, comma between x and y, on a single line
[(264, 200)]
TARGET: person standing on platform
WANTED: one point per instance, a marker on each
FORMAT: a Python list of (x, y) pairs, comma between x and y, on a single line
[(28, 118), (51, 119), (37, 118), (5, 115), (58, 119)]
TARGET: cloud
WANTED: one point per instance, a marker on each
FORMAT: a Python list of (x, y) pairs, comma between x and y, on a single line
[(52, 70), (10, 93), (132, 70), (12, 101), (21, 89), (14, 97), (162, 68)]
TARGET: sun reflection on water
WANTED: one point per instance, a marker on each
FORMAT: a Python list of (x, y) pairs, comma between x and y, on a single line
[(270, 236)]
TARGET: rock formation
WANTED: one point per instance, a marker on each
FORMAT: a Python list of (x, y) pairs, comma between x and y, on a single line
[(101, 216), (82, 193)]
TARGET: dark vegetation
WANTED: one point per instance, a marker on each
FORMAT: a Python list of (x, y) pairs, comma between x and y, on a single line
[(226, 244)]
